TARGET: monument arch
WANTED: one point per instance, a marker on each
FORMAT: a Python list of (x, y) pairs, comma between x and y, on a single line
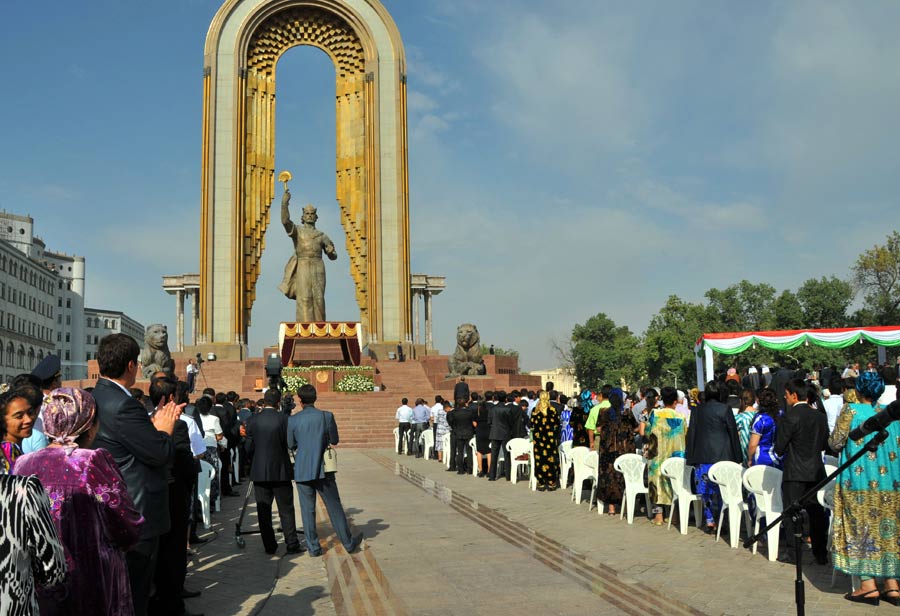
[(245, 40)]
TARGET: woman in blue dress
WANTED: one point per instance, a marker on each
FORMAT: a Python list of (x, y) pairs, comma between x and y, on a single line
[(761, 449)]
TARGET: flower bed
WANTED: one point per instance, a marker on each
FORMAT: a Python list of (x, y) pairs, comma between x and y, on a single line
[(346, 379)]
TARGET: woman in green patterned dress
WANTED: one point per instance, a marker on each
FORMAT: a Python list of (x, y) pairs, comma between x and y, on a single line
[(867, 500), (545, 440), (665, 432)]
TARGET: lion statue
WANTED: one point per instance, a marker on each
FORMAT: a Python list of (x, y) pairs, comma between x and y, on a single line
[(156, 356), (467, 357)]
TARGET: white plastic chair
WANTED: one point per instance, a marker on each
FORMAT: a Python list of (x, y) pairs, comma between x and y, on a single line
[(584, 461), (532, 478), (445, 443), (517, 447), (426, 443), (631, 465), (235, 465), (825, 496), (475, 468), (397, 441), (679, 476), (764, 482), (565, 462), (204, 487), (831, 461), (728, 476)]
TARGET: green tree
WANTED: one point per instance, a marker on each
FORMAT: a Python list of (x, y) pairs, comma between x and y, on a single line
[(604, 353), (877, 274), (788, 311), (668, 349), (744, 306), (825, 302)]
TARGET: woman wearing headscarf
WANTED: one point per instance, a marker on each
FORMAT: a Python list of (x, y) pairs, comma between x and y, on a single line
[(90, 506), (867, 500), (545, 441), (615, 430)]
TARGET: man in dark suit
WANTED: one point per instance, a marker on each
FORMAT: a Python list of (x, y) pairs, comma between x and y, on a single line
[(499, 417), (270, 472), (462, 422), (310, 432), (171, 562), (800, 439), (713, 437), (142, 447), (461, 390), (228, 418)]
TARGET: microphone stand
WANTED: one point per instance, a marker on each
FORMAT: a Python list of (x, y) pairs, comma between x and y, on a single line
[(799, 517)]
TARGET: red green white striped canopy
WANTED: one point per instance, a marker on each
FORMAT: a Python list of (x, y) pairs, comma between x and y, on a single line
[(784, 340)]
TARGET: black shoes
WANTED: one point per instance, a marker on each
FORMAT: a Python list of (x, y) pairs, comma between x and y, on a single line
[(189, 594), (869, 598), (195, 540), (298, 549), (892, 599), (492, 479)]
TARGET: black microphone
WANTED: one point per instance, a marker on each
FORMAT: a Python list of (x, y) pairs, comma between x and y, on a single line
[(877, 422)]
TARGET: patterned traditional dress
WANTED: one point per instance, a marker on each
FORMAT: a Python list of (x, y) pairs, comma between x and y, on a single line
[(545, 439), (743, 420), (866, 541), (615, 436), (579, 432), (30, 551), (565, 429), (97, 523), (440, 421), (668, 430)]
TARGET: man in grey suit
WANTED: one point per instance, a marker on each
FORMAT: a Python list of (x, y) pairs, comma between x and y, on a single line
[(310, 432)]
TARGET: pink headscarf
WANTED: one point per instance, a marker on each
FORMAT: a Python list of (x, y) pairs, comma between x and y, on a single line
[(68, 413)]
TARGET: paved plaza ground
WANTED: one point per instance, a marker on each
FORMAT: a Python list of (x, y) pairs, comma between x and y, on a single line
[(438, 543)]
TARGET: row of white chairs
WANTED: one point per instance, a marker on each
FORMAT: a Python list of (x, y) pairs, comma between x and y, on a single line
[(763, 482), (515, 449)]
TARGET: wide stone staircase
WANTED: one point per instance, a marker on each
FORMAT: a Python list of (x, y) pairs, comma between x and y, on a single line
[(364, 420)]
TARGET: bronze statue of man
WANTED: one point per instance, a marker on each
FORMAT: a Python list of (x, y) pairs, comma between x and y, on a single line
[(304, 274)]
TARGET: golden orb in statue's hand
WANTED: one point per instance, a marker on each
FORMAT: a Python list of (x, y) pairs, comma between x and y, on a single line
[(284, 177)]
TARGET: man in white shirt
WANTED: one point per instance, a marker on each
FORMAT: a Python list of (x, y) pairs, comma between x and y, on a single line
[(834, 403), (438, 406), (404, 417)]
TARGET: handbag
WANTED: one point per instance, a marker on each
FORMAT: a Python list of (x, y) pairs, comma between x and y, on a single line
[(329, 460)]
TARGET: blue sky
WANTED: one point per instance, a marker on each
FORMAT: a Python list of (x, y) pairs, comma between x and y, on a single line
[(566, 158)]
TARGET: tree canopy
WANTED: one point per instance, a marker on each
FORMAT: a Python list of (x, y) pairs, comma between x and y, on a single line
[(604, 352)]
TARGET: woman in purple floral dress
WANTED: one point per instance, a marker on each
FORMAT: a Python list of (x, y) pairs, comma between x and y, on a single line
[(94, 516)]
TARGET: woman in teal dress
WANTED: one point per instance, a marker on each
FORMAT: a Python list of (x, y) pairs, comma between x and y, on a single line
[(867, 500)]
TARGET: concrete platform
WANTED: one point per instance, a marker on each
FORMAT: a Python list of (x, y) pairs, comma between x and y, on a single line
[(440, 543)]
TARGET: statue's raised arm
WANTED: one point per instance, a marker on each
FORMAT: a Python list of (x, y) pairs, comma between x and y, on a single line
[(285, 212)]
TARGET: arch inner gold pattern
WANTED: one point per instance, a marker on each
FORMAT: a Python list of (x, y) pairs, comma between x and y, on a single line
[(305, 25)]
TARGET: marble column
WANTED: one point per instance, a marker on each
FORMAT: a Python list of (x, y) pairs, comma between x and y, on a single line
[(179, 322), (429, 343), (415, 306), (195, 315)]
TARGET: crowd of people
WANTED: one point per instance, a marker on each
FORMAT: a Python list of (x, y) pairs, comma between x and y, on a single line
[(98, 486), (785, 418)]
